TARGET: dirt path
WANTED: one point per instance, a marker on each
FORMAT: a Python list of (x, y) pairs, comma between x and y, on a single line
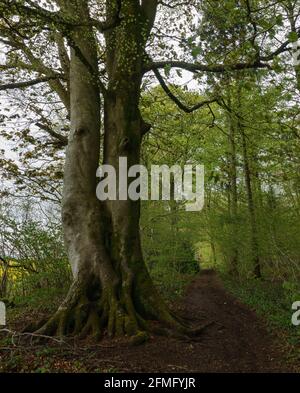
[(237, 341)]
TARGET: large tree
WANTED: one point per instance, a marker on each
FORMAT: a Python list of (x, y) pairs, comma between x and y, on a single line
[(111, 289)]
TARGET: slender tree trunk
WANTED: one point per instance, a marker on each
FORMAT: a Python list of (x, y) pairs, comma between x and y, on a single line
[(251, 207), (210, 230), (4, 278), (213, 250), (249, 190), (233, 193), (174, 226)]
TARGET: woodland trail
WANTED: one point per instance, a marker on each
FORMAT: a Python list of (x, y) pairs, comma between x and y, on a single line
[(236, 341)]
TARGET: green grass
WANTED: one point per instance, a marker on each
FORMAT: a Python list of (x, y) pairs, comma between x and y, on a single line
[(272, 301)]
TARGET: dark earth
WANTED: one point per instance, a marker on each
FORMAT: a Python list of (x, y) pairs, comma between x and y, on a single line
[(235, 341)]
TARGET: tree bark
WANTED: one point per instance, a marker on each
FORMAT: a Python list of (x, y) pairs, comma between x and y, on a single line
[(4, 278), (112, 291), (251, 207), (233, 206), (292, 17)]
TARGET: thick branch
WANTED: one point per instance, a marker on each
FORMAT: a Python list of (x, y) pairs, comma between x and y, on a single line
[(176, 100), (38, 66), (174, 5), (63, 141), (21, 85), (218, 68), (196, 67), (283, 48), (58, 18)]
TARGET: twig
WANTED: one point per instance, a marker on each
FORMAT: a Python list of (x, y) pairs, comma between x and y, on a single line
[(32, 335)]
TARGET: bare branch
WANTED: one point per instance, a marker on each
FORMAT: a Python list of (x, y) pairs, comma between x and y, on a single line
[(63, 141), (21, 85), (259, 62), (176, 100), (196, 67), (58, 18)]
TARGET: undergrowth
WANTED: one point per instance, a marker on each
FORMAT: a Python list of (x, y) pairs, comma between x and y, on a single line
[(272, 301)]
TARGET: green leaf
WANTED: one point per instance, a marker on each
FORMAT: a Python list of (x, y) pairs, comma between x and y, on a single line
[(196, 51), (293, 36), (279, 20), (167, 70)]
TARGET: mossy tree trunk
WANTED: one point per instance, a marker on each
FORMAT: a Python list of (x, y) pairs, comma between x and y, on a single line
[(112, 290)]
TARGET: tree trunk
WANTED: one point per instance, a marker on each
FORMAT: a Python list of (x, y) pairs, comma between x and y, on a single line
[(251, 207), (112, 291), (233, 206), (249, 190), (292, 17), (4, 278)]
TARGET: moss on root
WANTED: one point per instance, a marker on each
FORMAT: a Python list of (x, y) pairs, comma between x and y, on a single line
[(116, 314)]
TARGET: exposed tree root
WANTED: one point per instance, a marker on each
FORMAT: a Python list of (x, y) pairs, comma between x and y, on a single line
[(113, 312), (81, 317)]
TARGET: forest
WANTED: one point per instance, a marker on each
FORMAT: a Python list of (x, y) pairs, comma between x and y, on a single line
[(145, 284)]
